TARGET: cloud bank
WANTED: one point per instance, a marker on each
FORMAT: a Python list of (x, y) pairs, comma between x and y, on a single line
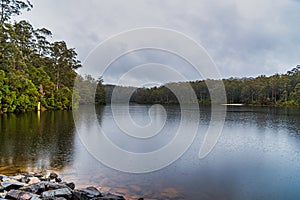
[(243, 37)]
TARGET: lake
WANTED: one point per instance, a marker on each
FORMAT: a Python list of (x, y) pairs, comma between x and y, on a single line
[(257, 155)]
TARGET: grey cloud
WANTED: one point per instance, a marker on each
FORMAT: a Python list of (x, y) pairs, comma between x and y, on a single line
[(244, 38)]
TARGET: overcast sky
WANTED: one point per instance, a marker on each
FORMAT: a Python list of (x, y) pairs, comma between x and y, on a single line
[(243, 37)]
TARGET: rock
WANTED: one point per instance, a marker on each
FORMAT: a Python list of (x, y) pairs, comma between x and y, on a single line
[(2, 195), (29, 174), (18, 194), (58, 180), (42, 186), (71, 185), (45, 179), (18, 177), (51, 180), (7, 179), (11, 185), (54, 186), (33, 180), (86, 193), (51, 188), (110, 197), (36, 198), (25, 180), (37, 188), (2, 176), (53, 175), (64, 192), (39, 175)]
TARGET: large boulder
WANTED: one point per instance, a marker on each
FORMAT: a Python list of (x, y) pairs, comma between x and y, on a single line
[(33, 180), (18, 194), (43, 186), (11, 185), (86, 193), (71, 185)]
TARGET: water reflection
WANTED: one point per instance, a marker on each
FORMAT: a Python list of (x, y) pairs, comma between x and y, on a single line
[(36, 141), (257, 156)]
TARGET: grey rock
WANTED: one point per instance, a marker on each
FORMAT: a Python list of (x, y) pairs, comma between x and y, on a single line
[(18, 177), (37, 188), (86, 193), (11, 185), (43, 186), (58, 180), (36, 198), (71, 185), (18, 194), (53, 194), (39, 175), (110, 197), (2, 176), (33, 180), (53, 186)]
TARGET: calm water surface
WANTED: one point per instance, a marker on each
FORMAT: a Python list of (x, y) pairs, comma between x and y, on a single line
[(257, 156)]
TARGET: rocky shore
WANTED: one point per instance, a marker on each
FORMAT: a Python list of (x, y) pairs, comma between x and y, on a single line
[(39, 186)]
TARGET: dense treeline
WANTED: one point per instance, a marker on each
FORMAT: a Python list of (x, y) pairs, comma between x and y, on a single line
[(33, 69), (276, 90), (282, 90)]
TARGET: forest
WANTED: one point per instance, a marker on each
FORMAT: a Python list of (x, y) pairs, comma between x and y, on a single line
[(275, 90), (33, 69)]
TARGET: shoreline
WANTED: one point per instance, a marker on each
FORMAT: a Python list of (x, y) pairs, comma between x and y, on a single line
[(41, 185), (172, 104)]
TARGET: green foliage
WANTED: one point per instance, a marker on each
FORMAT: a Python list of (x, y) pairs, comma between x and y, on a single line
[(32, 69), (91, 90), (276, 90), (100, 92), (12, 7)]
